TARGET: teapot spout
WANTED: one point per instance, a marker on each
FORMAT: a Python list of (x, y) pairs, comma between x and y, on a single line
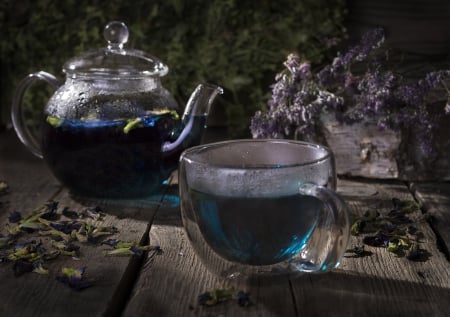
[(194, 118)]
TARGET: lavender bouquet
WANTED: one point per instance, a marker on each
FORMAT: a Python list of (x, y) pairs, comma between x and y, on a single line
[(356, 87)]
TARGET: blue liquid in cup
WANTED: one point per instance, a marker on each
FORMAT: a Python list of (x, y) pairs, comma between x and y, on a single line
[(256, 230)]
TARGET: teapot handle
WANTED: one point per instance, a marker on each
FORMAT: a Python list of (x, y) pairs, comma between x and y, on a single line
[(29, 139)]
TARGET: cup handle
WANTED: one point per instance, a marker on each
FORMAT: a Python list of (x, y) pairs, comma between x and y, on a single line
[(329, 240), (28, 138)]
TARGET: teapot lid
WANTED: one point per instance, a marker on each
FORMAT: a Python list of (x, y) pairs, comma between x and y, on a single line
[(115, 61)]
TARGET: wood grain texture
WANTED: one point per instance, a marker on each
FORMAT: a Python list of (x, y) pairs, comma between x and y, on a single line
[(31, 185), (416, 27), (435, 197), (381, 284), (41, 295), (168, 284)]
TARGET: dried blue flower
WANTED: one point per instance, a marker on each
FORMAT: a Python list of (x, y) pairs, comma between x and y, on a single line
[(415, 253), (70, 213), (21, 252), (205, 299), (56, 235), (14, 217), (243, 299), (389, 227), (405, 206), (136, 250), (357, 227), (74, 278), (358, 251), (111, 242), (398, 246), (93, 212), (378, 240), (70, 248), (220, 295), (216, 296), (66, 226), (393, 231), (120, 252), (398, 217), (51, 255), (371, 214), (127, 248), (31, 226), (51, 211), (101, 231), (21, 267), (35, 220), (39, 268), (82, 234)]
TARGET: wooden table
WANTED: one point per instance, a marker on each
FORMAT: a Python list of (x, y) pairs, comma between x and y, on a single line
[(168, 283)]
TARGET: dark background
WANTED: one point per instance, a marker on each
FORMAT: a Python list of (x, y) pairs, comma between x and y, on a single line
[(239, 45)]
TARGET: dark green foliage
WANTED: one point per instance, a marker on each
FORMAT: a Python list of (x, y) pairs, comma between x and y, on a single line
[(237, 44)]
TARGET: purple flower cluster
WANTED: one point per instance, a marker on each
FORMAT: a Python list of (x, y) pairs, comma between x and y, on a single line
[(355, 87)]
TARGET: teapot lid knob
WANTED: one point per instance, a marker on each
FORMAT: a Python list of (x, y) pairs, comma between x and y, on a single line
[(116, 33), (115, 61)]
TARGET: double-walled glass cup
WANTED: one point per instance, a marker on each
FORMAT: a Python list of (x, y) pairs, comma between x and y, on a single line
[(263, 207)]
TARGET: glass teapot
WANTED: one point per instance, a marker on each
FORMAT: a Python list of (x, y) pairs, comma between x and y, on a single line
[(111, 130)]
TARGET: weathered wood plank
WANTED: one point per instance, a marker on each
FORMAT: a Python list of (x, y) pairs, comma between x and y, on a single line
[(417, 27), (51, 298), (170, 283), (31, 294), (380, 284), (28, 177), (178, 276), (435, 198)]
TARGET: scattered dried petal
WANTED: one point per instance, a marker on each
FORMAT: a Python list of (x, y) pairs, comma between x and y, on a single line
[(357, 227), (243, 299), (220, 295), (415, 253), (93, 212), (358, 252), (131, 248), (39, 268), (70, 213), (111, 242), (378, 240), (21, 267), (393, 231), (14, 217), (74, 278), (216, 296)]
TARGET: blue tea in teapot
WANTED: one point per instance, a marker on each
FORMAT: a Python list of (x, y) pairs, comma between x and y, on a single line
[(111, 130)]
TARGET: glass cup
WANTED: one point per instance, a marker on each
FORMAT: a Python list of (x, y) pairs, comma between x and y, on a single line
[(263, 207)]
